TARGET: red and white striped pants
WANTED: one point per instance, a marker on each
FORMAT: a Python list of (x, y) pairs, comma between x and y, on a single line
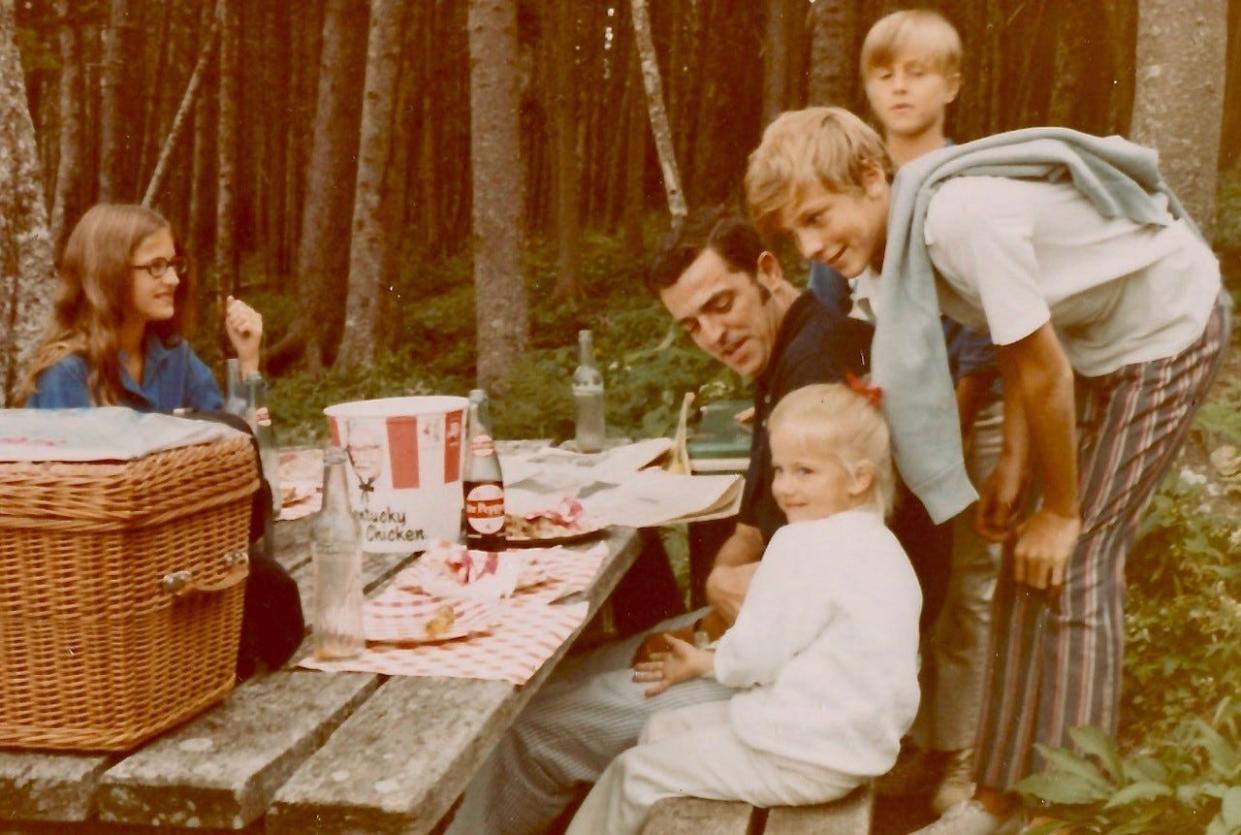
[(1055, 660)]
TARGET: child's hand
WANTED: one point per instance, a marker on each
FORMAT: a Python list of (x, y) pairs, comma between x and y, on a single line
[(995, 516), (244, 327), (682, 662)]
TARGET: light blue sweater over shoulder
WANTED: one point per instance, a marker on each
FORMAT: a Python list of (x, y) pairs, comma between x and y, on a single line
[(909, 361)]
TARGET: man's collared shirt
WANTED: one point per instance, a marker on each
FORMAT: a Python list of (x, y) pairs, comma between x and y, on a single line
[(813, 345)]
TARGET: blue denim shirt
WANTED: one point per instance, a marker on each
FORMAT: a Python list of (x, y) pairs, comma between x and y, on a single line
[(172, 377)]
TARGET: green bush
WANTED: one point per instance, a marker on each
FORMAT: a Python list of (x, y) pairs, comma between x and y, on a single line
[(647, 363), (1187, 782), (1228, 211), (1183, 615)]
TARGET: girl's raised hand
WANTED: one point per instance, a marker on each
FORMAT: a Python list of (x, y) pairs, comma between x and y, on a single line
[(244, 326), (681, 663)]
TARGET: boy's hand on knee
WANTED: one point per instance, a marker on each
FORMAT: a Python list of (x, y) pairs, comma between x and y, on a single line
[(998, 500), (682, 662), (1044, 543)]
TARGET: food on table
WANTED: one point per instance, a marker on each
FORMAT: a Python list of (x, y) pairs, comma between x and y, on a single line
[(441, 622), (565, 519)]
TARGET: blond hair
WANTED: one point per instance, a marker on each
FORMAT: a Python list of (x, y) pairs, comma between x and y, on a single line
[(833, 418), (827, 147), (919, 32)]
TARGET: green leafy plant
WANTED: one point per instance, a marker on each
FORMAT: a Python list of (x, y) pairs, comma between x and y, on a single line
[(1189, 782)]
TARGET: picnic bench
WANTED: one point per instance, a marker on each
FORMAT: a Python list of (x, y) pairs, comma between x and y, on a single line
[(851, 815), (295, 751)]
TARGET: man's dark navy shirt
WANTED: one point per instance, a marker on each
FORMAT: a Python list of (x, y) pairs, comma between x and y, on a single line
[(813, 345)]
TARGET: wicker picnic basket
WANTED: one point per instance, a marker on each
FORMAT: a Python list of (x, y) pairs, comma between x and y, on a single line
[(121, 593)]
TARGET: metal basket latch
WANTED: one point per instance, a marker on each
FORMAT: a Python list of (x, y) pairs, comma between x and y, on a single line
[(181, 582), (176, 582)]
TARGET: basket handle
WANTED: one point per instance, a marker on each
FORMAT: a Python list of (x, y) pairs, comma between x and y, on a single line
[(180, 583)]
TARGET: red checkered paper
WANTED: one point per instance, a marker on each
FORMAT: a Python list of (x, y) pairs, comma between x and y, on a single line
[(508, 639), (546, 574), (529, 633), (568, 571), (400, 616)]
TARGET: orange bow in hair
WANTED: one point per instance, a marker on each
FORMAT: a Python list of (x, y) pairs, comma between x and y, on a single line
[(873, 394)]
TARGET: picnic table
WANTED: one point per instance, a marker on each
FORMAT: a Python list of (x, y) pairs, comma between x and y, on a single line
[(295, 750)]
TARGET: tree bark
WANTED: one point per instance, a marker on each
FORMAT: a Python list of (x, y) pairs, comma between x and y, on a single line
[(564, 69), (833, 53), (26, 274), (183, 111), (659, 117), (322, 258), (370, 241), (67, 199), (224, 265), (1181, 47), (775, 61), (113, 134), (501, 311)]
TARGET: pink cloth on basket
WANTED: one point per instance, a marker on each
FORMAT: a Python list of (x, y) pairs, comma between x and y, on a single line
[(525, 630)]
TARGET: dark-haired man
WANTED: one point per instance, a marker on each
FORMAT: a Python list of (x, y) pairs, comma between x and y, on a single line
[(731, 297)]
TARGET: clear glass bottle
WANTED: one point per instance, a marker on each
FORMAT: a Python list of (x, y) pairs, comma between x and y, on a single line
[(336, 550), (588, 395), (259, 418), (482, 517), (234, 396), (479, 396)]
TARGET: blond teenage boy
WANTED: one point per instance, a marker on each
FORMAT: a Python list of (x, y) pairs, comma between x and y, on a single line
[(910, 67), (1106, 308)]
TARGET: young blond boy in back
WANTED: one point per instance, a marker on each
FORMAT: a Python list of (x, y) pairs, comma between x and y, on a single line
[(1096, 288), (910, 67)]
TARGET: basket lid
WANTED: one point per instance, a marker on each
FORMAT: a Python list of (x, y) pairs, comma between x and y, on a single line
[(108, 433)]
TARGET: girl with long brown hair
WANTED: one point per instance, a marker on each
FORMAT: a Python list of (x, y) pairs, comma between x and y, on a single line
[(125, 305)]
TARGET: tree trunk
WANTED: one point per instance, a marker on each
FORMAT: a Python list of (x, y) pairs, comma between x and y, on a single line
[(1181, 47), (322, 257), (775, 61), (564, 70), (833, 53), (67, 200), (183, 111), (112, 130), (659, 117), (224, 265), (501, 311), (369, 243), (26, 275)]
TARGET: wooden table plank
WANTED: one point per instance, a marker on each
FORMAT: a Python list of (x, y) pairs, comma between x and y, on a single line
[(401, 760), (222, 769), (49, 787), (247, 752)]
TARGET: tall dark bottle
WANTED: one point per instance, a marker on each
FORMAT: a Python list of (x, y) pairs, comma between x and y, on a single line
[(483, 484)]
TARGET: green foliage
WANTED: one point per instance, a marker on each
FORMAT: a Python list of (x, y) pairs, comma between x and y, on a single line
[(647, 363), (1219, 419), (1183, 614), (1228, 211), (1189, 781)]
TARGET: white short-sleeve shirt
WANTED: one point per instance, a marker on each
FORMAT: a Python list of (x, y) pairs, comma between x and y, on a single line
[(1011, 255)]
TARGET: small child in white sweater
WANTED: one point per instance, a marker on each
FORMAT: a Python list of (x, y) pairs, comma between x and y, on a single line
[(824, 652)]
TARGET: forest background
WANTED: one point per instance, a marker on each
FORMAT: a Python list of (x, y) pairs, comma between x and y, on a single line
[(425, 195)]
